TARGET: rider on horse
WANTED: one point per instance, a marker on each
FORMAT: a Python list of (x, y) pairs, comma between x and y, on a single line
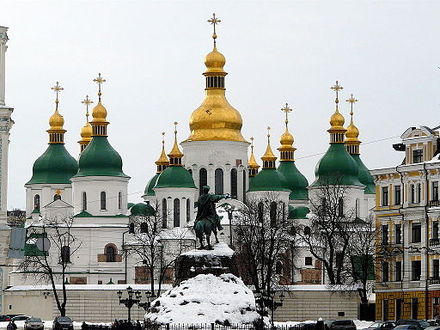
[(207, 219)]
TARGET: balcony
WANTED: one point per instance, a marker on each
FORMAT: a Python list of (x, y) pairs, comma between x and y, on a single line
[(434, 280), (434, 203), (434, 242)]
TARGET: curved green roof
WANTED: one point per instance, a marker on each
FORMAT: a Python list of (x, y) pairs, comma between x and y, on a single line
[(268, 179), (175, 177), (299, 212), (150, 185), (55, 165), (100, 159), (142, 209), (295, 181), (336, 167), (365, 176)]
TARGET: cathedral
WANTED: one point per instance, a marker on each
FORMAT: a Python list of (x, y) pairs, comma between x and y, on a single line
[(92, 191)]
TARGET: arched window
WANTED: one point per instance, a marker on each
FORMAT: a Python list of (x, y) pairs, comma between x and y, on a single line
[(273, 214), (244, 186), (188, 210), (144, 227), (119, 200), (234, 183), (260, 212), (307, 230), (279, 268), (37, 202), (131, 228), (341, 207), (176, 212), (65, 254), (219, 181), (164, 213), (203, 179), (110, 253), (56, 197), (84, 201), (357, 207), (103, 200)]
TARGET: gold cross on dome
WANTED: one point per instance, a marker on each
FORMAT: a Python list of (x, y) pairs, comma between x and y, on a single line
[(57, 88), (337, 88), (87, 102), (214, 21), (175, 128), (268, 134), (352, 101), (99, 80), (163, 138), (286, 109)]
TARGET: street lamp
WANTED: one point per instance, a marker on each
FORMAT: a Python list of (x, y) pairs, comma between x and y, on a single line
[(145, 305), (129, 301)]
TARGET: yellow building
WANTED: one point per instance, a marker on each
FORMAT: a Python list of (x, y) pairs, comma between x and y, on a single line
[(407, 223)]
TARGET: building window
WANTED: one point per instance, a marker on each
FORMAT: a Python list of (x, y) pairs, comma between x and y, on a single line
[(417, 156), (307, 230), (65, 254), (244, 185), (279, 268), (119, 200), (397, 195), (131, 228), (419, 193), (219, 181), (398, 271), (203, 179), (234, 183), (188, 210), (110, 253), (435, 191), (398, 233), (385, 310), (37, 202), (414, 308), (385, 271), (384, 234), (341, 207), (164, 213), (176, 212), (413, 193), (435, 269), (384, 196), (339, 259), (144, 227), (399, 308), (84, 201), (103, 201), (357, 208), (273, 214), (260, 212), (416, 270), (416, 232), (308, 261), (435, 230)]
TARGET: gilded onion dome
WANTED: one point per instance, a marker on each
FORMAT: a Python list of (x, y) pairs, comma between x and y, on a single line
[(161, 164), (252, 163), (215, 119), (87, 130)]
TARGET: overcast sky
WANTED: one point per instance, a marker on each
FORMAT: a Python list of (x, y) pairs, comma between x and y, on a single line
[(152, 54)]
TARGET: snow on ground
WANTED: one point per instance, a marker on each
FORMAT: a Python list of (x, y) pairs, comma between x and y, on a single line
[(220, 250), (47, 325), (360, 325), (205, 299)]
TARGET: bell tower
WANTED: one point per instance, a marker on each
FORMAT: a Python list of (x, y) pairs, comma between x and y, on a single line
[(5, 125)]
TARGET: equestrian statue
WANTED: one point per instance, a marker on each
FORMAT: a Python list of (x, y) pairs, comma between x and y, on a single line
[(207, 219)]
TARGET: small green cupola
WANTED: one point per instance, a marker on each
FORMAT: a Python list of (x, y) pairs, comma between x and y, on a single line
[(295, 180), (142, 209), (99, 158), (336, 167), (55, 165), (175, 175), (161, 165), (268, 179), (352, 144)]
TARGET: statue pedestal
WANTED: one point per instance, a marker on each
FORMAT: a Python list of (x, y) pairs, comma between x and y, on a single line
[(220, 260)]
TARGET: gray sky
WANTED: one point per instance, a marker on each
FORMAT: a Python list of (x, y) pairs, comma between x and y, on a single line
[(152, 53)]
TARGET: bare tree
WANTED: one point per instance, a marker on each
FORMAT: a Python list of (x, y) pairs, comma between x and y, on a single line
[(48, 256), (156, 246), (262, 241)]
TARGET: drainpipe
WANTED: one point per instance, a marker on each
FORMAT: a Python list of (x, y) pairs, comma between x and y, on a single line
[(125, 257)]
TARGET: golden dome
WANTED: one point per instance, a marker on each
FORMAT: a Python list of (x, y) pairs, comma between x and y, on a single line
[(337, 120), (86, 132), (352, 133), (286, 138), (252, 163), (163, 159), (99, 113), (268, 154), (56, 121), (215, 61)]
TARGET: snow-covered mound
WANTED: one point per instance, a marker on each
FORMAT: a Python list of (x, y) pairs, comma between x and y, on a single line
[(205, 298)]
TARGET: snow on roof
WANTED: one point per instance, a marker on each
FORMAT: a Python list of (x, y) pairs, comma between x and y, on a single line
[(220, 250), (85, 287), (316, 287), (205, 299)]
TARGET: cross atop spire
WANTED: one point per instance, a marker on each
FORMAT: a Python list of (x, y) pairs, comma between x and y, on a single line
[(163, 140), (286, 109), (87, 102), (252, 144), (337, 88), (99, 80), (175, 130), (268, 134), (352, 101), (57, 88), (214, 21)]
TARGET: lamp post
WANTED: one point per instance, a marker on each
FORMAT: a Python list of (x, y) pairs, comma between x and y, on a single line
[(129, 301), (145, 305), (274, 305), (230, 209)]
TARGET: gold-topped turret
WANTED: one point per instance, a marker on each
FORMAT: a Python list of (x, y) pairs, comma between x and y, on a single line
[(163, 161), (175, 154), (286, 149), (86, 131), (268, 158), (215, 119), (99, 113), (252, 163), (352, 135), (337, 120), (56, 122)]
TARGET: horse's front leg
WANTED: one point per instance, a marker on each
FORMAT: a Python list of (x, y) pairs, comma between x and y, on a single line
[(208, 242)]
